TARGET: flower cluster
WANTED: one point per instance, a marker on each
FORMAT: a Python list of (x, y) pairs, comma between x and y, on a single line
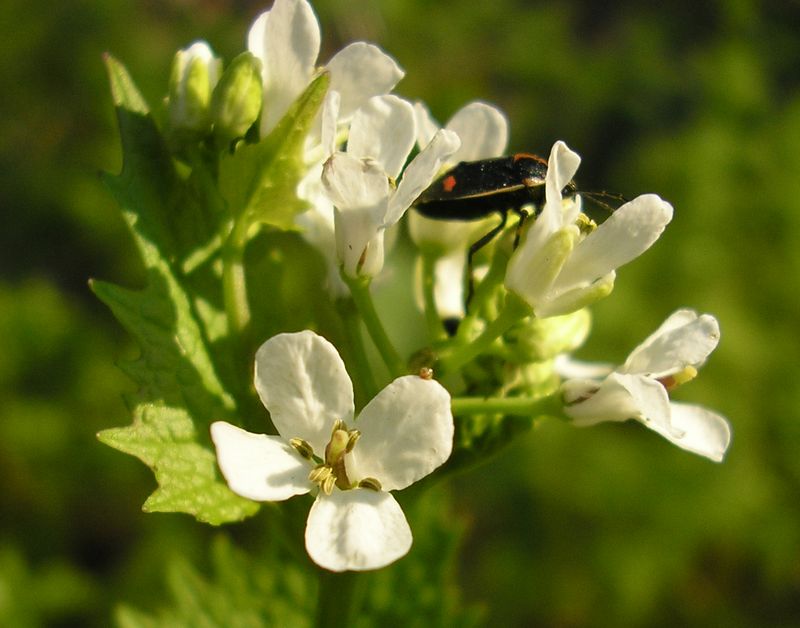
[(500, 332)]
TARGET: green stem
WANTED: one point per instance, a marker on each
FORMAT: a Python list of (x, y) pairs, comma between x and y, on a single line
[(359, 289), (435, 328), (364, 379), (509, 406), (483, 293), (338, 598), (515, 309), (234, 284)]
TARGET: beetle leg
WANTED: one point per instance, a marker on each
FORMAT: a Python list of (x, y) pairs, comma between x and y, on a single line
[(477, 246), (523, 216)]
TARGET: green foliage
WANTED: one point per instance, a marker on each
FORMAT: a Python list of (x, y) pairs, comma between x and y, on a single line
[(421, 589), (180, 393), (243, 592), (608, 526), (272, 589), (259, 181), (33, 599)]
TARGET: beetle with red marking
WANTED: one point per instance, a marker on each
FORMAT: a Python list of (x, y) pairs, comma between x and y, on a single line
[(473, 190)]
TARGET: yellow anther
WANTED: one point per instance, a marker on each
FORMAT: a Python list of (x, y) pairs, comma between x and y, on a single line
[(302, 447), (328, 484), (671, 382), (370, 483), (353, 436)]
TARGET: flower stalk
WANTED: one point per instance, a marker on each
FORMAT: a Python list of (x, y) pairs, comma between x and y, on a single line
[(359, 289), (511, 406), (436, 330), (455, 357), (234, 283)]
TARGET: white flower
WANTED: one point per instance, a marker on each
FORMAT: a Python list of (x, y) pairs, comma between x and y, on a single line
[(287, 39), (360, 181), (403, 434), (557, 269), (483, 131), (639, 388)]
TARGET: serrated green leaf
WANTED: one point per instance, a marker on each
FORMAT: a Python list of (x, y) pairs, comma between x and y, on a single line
[(123, 90), (166, 440), (260, 180), (180, 392), (148, 183), (175, 367)]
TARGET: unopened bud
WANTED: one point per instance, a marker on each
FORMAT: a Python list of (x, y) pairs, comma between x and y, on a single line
[(236, 103), (195, 72)]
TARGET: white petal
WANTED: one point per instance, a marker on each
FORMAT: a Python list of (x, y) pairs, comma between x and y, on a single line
[(329, 117), (372, 257), (359, 236), (483, 130), (356, 530), (532, 269), (317, 226), (569, 368), (420, 172), (406, 432), (619, 397), (360, 71), (651, 400), (359, 189), (383, 129), (677, 319), (683, 340), (558, 303), (255, 36), (703, 432), (448, 290), (426, 124), (286, 39), (303, 383), (589, 403), (628, 233), (354, 183), (257, 466), (561, 168), (557, 212)]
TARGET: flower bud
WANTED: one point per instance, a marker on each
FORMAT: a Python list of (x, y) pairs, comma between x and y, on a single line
[(236, 103), (537, 339), (195, 72)]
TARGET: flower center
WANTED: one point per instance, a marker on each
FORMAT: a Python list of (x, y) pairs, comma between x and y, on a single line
[(333, 471)]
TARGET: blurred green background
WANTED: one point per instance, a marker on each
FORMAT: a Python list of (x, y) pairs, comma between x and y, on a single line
[(697, 101)]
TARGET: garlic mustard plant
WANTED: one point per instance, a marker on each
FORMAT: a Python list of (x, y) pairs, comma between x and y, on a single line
[(262, 205)]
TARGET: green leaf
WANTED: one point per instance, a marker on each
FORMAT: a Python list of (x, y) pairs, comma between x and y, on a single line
[(148, 182), (166, 440), (421, 589), (260, 180), (243, 593), (180, 392)]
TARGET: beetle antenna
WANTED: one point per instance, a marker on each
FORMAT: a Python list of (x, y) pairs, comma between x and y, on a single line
[(597, 198)]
